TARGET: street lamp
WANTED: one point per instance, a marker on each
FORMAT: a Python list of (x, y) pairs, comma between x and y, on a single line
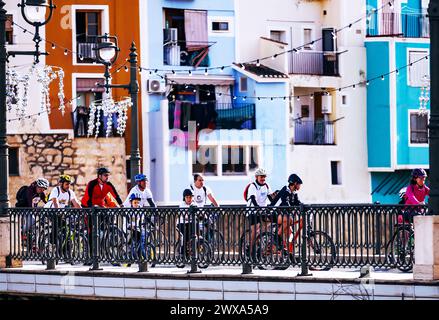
[(107, 51), (34, 12)]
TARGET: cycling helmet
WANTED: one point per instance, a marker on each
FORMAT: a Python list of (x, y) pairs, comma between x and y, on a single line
[(260, 172), (135, 197), (65, 178), (103, 170), (419, 173), (42, 183), (294, 178), (187, 192), (140, 177)]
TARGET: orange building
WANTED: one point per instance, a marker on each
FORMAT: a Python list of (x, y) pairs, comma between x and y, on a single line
[(70, 39)]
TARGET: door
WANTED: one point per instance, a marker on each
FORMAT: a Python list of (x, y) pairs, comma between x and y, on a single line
[(330, 58)]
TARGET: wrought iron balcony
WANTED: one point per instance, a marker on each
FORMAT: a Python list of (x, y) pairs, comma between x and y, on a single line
[(314, 132), (314, 63)]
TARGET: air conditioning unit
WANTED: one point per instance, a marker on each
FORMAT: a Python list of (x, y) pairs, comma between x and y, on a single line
[(170, 35), (156, 85), (326, 104)]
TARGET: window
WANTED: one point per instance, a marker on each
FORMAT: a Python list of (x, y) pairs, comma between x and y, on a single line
[(220, 26), (420, 70), (344, 100), (243, 84), (335, 172), (305, 111), (235, 160), (418, 128), (9, 29), (307, 34), (206, 161), (14, 162), (277, 35), (88, 27)]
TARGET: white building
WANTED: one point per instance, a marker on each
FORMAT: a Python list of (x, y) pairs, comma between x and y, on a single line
[(328, 142)]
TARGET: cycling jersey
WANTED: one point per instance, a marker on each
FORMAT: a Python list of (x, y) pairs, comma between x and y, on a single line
[(201, 195), (287, 198), (416, 195), (95, 194), (64, 198), (145, 197), (260, 193)]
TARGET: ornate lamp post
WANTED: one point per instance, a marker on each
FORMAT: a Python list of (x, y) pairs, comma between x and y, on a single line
[(433, 13), (107, 51), (34, 12)]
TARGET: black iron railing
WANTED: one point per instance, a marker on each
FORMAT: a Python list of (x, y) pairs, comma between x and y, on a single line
[(314, 132), (408, 25), (316, 237)]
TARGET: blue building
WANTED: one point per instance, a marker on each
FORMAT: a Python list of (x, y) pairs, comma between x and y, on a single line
[(397, 36), (203, 113)]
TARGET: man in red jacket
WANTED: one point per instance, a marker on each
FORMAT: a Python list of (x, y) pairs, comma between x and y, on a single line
[(97, 190), (97, 193)]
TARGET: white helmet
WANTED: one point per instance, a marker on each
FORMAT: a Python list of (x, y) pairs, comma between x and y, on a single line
[(42, 183), (260, 172)]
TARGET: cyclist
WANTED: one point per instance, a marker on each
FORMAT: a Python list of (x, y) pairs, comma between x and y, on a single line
[(258, 194), (415, 193), (142, 191), (288, 198), (62, 196), (30, 196), (202, 194), (184, 220), (99, 190)]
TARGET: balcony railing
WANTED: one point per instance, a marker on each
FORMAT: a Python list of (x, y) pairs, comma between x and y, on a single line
[(212, 115), (314, 132), (313, 63), (400, 25), (86, 52), (80, 124)]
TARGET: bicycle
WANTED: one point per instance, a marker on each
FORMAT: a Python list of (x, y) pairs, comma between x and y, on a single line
[(183, 247), (269, 244), (141, 242)]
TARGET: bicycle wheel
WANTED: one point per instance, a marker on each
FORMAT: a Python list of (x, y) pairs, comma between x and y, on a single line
[(204, 253), (402, 249), (115, 244), (182, 257), (321, 251), (217, 245), (161, 243), (47, 247), (244, 246), (269, 254), (79, 247)]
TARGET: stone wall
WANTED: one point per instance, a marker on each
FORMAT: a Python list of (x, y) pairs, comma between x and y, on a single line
[(49, 156)]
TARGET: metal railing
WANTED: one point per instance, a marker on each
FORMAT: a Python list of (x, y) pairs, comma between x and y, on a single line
[(408, 25), (313, 63), (314, 132), (218, 115), (320, 237), (85, 50)]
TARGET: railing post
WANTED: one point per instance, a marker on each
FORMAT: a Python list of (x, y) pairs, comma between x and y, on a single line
[(95, 240), (194, 251), (303, 256)]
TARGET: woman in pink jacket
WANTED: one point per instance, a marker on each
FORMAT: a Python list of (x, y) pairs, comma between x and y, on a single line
[(415, 194)]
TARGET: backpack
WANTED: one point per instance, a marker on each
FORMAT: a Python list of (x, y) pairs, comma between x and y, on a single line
[(246, 190), (21, 197)]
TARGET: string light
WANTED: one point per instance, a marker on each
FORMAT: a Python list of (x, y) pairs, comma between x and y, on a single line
[(205, 72), (258, 63), (66, 52), (126, 69)]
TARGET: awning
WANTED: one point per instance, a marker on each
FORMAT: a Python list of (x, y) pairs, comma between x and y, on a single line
[(201, 80), (393, 182), (86, 84)]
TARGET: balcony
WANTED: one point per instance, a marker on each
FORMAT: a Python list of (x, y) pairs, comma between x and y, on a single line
[(177, 54), (399, 25), (313, 63), (86, 51), (212, 115), (80, 119), (317, 132)]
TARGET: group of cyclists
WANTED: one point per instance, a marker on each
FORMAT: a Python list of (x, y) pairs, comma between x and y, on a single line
[(101, 192)]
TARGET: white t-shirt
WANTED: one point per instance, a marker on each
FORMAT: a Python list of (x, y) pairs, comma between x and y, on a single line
[(144, 196), (64, 199), (261, 194), (200, 195), (182, 217)]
